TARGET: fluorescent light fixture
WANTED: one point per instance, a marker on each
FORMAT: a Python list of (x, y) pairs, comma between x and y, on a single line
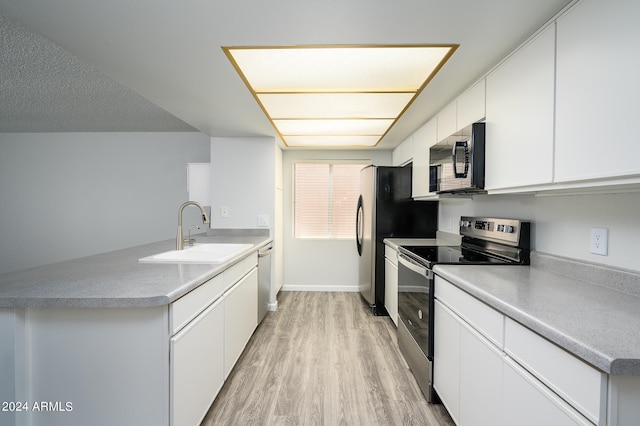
[(336, 95), (334, 105), (311, 141), (332, 127)]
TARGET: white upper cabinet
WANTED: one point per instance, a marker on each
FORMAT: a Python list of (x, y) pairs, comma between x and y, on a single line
[(447, 121), (423, 139), (403, 153), (519, 116), (471, 105), (597, 90), (467, 109)]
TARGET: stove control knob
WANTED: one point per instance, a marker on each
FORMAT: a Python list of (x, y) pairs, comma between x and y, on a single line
[(465, 224), (508, 229)]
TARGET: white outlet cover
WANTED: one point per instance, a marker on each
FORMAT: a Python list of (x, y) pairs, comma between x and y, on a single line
[(263, 220), (599, 241)]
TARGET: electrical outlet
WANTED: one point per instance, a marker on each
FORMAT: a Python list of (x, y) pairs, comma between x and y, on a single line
[(224, 211), (263, 220), (599, 241)]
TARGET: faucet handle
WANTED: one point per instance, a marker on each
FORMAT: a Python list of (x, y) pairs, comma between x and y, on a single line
[(190, 240)]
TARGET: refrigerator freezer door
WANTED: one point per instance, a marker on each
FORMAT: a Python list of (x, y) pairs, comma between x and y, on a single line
[(366, 241)]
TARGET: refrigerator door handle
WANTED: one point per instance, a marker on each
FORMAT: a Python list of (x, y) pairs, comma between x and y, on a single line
[(359, 225)]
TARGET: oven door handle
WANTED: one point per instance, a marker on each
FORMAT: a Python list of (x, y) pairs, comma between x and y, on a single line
[(414, 266)]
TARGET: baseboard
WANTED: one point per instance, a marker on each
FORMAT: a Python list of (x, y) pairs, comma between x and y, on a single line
[(323, 288), (272, 307)]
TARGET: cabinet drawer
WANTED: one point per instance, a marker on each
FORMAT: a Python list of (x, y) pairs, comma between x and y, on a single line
[(391, 254), (240, 269), (578, 383), (527, 402), (191, 304), (485, 319)]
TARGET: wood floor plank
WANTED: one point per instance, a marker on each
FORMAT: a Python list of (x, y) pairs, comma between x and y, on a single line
[(323, 359)]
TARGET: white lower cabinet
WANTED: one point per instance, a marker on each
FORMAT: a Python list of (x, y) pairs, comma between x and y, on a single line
[(240, 318), (197, 366), (526, 401), (578, 383), (467, 370), (490, 370), (212, 325), (391, 283), (480, 379), (446, 359)]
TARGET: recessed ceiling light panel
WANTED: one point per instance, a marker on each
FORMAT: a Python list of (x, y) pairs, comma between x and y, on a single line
[(334, 105), (332, 141), (333, 127), (336, 90)]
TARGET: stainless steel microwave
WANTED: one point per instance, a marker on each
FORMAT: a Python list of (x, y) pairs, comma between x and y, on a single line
[(456, 164)]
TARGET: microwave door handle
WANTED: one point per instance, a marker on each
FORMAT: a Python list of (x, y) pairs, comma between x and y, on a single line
[(465, 146)]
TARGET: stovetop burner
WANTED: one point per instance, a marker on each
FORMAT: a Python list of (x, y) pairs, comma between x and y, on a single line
[(450, 255)]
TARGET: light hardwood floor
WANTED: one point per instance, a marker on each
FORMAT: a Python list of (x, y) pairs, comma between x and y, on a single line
[(323, 359)]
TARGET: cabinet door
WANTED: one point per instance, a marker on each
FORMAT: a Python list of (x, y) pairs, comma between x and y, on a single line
[(197, 361), (519, 130), (391, 290), (240, 318), (527, 402), (446, 359), (470, 105), (403, 153), (480, 380), (447, 121), (423, 139), (598, 86)]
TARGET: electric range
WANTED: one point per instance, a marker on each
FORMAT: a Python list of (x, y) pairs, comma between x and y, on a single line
[(485, 241)]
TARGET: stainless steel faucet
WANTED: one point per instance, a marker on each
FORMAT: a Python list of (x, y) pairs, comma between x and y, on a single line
[(179, 236)]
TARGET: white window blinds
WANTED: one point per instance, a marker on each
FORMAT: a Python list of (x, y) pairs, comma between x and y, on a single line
[(325, 199)]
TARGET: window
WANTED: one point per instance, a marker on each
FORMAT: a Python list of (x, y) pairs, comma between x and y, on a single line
[(325, 199)]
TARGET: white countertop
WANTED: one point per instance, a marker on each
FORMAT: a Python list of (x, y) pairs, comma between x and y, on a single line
[(598, 324), (115, 279)]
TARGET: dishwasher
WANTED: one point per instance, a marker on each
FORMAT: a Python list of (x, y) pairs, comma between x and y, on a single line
[(264, 280)]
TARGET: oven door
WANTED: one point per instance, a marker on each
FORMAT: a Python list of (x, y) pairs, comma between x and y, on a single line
[(415, 328)]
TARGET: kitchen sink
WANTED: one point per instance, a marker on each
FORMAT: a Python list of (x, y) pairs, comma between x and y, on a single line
[(199, 253)]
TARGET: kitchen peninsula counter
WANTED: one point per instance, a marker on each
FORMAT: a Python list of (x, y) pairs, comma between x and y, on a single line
[(558, 299), (116, 279), (116, 341)]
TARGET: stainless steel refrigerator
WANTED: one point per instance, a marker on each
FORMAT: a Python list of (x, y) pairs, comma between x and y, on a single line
[(385, 210)]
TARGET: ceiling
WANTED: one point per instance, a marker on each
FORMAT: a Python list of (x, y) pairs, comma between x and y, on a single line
[(158, 65)]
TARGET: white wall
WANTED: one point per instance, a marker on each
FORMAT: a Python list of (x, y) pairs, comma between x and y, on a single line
[(320, 265), (242, 179), (278, 261), (562, 224), (246, 177), (68, 195)]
